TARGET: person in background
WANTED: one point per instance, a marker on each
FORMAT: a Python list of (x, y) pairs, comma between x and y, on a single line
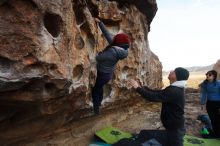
[(172, 112), (210, 96), (107, 60)]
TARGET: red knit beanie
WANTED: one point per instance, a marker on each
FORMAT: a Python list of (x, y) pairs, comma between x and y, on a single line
[(122, 38)]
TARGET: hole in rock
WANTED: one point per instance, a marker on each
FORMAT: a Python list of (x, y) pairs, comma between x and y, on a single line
[(52, 66), (77, 72), (125, 72), (90, 39), (125, 69), (80, 18), (123, 3), (93, 9), (53, 23), (79, 42), (107, 89), (2, 2), (32, 3), (34, 85), (50, 87), (111, 23), (92, 78), (5, 64), (34, 69), (78, 7)]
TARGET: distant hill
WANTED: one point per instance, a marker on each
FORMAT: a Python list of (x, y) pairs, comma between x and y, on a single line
[(195, 69), (200, 68)]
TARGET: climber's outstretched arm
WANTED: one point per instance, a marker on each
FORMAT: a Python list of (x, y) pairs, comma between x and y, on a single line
[(105, 31)]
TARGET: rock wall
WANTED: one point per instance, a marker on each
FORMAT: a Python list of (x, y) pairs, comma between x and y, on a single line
[(47, 60), (217, 68)]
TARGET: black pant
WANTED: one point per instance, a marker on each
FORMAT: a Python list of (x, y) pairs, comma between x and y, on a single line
[(97, 90), (213, 108), (165, 137)]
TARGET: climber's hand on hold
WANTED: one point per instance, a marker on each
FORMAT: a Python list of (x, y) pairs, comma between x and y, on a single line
[(133, 83), (139, 81), (97, 20), (203, 107), (99, 52)]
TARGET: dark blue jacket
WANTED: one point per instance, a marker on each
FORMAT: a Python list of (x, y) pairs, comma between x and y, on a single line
[(107, 60), (210, 91), (173, 102)]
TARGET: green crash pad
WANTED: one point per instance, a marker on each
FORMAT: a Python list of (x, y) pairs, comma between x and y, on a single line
[(195, 141), (112, 135)]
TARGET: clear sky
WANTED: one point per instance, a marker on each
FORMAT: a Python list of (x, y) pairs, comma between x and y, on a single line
[(186, 33)]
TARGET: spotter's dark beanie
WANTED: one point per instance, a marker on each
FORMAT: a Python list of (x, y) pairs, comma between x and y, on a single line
[(121, 38), (181, 74)]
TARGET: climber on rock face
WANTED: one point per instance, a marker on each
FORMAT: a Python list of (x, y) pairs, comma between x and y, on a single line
[(172, 113), (107, 60)]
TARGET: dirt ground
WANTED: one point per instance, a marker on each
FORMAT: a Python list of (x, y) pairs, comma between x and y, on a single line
[(143, 115)]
